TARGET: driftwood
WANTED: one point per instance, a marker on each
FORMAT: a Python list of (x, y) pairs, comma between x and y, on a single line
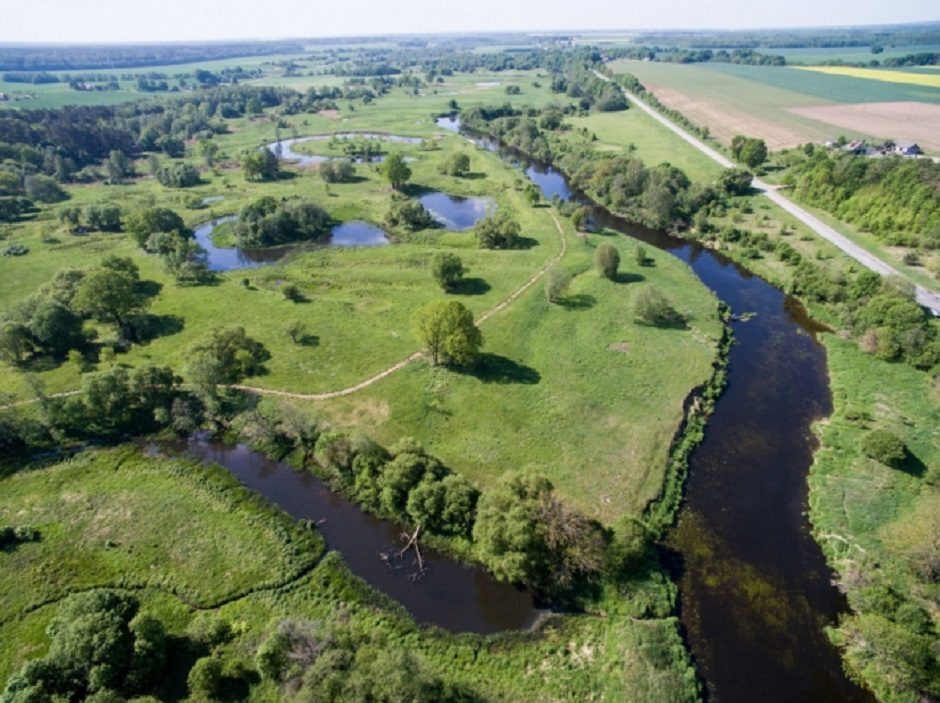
[(413, 544)]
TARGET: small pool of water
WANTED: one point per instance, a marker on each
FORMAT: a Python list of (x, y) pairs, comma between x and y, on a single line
[(456, 212), (454, 596), (208, 200), (358, 234), (347, 234), (284, 149), (449, 122)]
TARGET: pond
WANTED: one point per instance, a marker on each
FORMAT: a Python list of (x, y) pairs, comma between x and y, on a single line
[(454, 596), (449, 122), (457, 212), (285, 151), (347, 234)]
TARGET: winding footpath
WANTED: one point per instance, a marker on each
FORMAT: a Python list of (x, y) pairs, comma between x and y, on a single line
[(327, 395), (924, 296)]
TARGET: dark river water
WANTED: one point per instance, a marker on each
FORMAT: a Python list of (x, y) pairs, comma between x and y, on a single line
[(449, 595), (755, 589)]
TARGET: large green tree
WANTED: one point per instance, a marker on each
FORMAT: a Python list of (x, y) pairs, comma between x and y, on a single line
[(448, 333), (395, 170)]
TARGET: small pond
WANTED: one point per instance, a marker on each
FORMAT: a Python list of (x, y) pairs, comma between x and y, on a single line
[(449, 122), (358, 234), (284, 149), (347, 234), (456, 212), (453, 596)]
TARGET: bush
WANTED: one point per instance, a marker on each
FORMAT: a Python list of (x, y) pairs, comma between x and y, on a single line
[(457, 165), (651, 307), (557, 281), (406, 213), (206, 678), (338, 171), (607, 261), (497, 231), (447, 270), (885, 447)]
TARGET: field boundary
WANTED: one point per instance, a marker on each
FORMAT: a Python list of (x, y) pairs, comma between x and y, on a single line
[(924, 296)]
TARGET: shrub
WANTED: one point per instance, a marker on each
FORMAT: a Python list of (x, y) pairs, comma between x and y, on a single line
[(206, 678), (651, 307), (406, 213), (447, 270), (557, 281), (885, 447), (497, 231), (607, 261)]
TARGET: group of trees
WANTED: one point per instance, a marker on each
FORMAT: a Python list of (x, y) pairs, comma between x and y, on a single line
[(224, 355), (896, 199), (179, 175), (260, 165), (268, 222), (159, 230), (337, 171), (457, 164), (408, 214), (103, 218), (332, 664)]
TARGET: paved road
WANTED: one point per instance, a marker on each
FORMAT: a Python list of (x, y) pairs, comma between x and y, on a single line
[(925, 297)]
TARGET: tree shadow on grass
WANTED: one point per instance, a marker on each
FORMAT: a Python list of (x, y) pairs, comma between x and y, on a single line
[(309, 340), (626, 277), (470, 286), (150, 327), (493, 368), (912, 465), (525, 243), (672, 322), (578, 301), (149, 288)]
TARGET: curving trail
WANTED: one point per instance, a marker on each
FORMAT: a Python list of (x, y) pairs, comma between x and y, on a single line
[(327, 395), (502, 305)]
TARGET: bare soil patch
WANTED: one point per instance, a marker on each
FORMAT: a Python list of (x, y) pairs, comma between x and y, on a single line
[(918, 122), (724, 121)]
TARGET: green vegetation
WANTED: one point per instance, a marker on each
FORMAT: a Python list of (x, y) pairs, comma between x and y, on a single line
[(186, 539), (607, 261), (873, 498)]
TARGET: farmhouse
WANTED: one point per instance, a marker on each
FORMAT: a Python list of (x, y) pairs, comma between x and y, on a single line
[(906, 148)]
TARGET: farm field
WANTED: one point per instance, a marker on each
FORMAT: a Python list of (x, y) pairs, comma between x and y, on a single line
[(930, 79), (784, 106), (850, 54)]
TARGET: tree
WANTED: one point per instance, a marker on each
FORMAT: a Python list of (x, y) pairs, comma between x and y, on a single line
[(260, 165), (143, 223), (532, 194), (297, 330), (43, 189), (557, 281), (735, 181), (407, 213), (456, 165), (55, 328), (206, 678), (523, 533), (497, 231), (224, 355), (885, 447), (16, 343), (448, 333), (110, 294), (754, 153), (641, 258), (106, 218), (209, 150), (607, 261), (395, 170), (447, 270), (651, 307)]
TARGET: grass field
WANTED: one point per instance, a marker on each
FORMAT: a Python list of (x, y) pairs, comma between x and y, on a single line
[(849, 54), (878, 524), (112, 518)]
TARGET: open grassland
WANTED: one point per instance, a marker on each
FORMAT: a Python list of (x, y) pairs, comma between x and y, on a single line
[(115, 518), (644, 138), (784, 106), (570, 390), (878, 524), (931, 80)]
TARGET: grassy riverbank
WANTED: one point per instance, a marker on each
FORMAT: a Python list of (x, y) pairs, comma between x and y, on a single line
[(196, 549)]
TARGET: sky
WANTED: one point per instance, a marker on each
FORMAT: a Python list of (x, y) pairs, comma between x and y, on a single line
[(185, 20)]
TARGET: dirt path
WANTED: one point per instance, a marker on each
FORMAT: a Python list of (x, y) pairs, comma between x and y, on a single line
[(326, 395), (502, 305), (924, 296)]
